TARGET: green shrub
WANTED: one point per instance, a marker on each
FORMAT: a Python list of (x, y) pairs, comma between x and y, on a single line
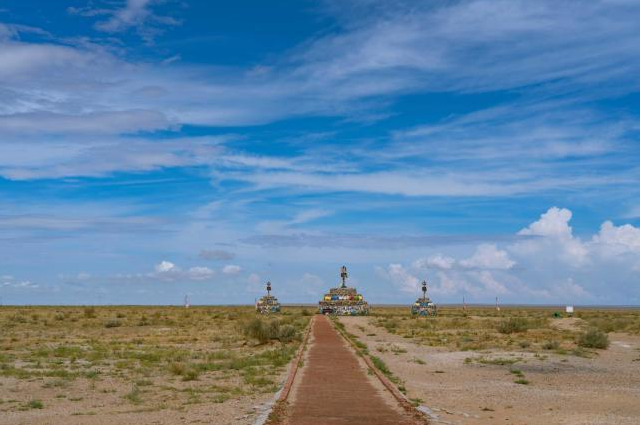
[(35, 404), (287, 333), (257, 329), (190, 374), (594, 338), (513, 325), (112, 323), (266, 331), (380, 365)]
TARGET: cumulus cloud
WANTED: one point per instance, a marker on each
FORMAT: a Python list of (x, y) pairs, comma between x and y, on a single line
[(553, 223), (165, 267), (400, 277), (553, 264), (619, 239), (200, 273), (488, 256), (437, 261), (167, 270), (491, 285), (553, 234), (231, 269)]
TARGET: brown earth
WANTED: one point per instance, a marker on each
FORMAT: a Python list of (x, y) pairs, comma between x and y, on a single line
[(335, 387), (456, 388)]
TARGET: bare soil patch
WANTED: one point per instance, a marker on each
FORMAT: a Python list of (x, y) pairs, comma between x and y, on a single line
[(502, 382)]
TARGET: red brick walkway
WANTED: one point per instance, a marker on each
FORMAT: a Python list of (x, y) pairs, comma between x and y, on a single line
[(334, 388)]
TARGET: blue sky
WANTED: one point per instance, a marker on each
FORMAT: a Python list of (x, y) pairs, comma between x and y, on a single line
[(155, 148)]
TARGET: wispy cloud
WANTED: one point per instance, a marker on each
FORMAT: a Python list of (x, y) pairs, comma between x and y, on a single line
[(133, 14)]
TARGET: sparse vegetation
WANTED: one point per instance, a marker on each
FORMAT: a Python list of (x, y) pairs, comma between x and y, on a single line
[(594, 338), (35, 404), (142, 354), (513, 325), (531, 330)]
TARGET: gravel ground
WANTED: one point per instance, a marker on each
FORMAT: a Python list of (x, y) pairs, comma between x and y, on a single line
[(562, 389)]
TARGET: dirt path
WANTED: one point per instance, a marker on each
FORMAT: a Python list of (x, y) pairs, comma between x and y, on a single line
[(335, 388)]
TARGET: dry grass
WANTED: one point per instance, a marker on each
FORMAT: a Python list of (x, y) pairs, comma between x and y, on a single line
[(517, 329), (148, 357)]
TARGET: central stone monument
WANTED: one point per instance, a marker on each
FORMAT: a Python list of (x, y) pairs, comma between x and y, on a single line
[(343, 301)]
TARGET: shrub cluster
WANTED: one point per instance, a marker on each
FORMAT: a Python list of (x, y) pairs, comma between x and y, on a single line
[(513, 325), (593, 338), (265, 331), (112, 323)]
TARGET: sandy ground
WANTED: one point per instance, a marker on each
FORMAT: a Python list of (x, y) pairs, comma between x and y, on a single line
[(78, 404), (563, 389)]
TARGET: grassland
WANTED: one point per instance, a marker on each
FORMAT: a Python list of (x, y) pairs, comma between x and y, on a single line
[(528, 329), (58, 364)]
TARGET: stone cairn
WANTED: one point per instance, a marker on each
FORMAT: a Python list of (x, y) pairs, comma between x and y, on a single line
[(423, 306), (343, 301), (268, 303)]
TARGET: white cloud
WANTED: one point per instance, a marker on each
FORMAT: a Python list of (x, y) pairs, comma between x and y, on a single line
[(166, 267), (491, 285), (555, 236), (620, 239), (553, 223), (231, 269), (488, 256), (401, 277), (284, 226), (200, 273), (437, 261), (24, 284), (134, 14)]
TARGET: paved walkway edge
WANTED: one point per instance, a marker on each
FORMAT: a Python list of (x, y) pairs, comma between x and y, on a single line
[(282, 395), (401, 398), (294, 368)]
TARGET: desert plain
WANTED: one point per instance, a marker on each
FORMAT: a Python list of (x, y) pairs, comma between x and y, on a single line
[(223, 365)]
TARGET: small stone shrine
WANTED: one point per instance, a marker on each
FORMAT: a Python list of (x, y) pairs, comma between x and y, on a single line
[(343, 301), (268, 303), (423, 306)]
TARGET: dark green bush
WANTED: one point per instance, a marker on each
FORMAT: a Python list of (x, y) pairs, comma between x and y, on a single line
[(112, 323), (265, 331), (513, 325), (594, 338), (287, 333)]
